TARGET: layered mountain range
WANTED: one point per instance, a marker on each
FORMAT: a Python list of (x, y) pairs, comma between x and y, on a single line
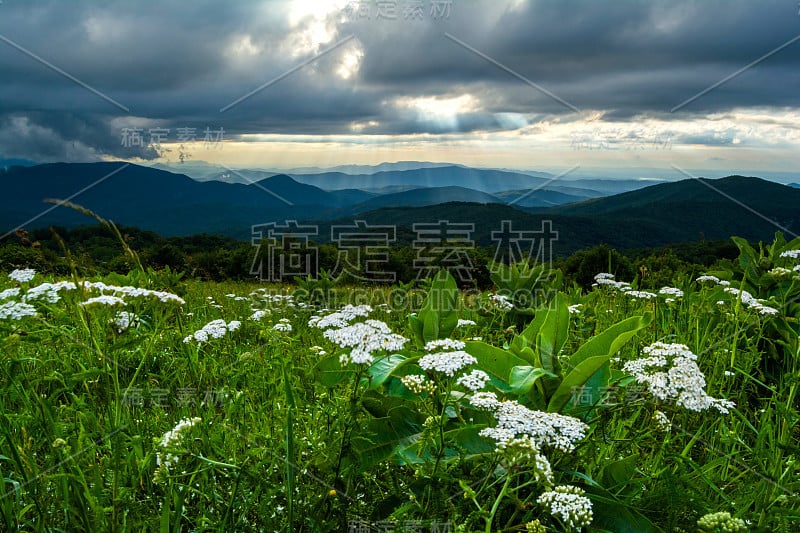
[(625, 213)]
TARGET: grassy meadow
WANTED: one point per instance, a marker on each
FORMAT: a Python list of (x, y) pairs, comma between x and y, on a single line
[(147, 402)]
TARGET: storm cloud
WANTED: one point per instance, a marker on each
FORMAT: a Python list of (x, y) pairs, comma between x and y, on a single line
[(75, 74)]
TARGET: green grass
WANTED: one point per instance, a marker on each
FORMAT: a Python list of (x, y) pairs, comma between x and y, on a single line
[(287, 443)]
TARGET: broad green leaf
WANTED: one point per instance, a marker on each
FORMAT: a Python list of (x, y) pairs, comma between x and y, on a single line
[(383, 437), (468, 439), (748, 259), (575, 379), (329, 371), (611, 340), (494, 361), (617, 474), (439, 313), (381, 369), (523, 378), (416, 329)]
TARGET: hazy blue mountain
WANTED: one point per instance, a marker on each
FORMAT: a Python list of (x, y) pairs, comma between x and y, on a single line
[(369, 169), (537, 198), (421, 197), (171, 204), (175, 204), (607, 186), (683, 211), (483, 180)]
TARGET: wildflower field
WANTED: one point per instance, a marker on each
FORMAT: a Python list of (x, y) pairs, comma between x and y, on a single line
[(146, 402)]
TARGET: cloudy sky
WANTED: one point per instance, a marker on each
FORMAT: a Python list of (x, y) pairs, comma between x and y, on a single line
[(613, 87)]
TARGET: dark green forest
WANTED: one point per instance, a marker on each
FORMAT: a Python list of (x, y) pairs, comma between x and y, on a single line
[(94, 250)]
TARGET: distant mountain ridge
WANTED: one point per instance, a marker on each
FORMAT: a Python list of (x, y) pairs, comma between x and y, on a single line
[(175, 204)]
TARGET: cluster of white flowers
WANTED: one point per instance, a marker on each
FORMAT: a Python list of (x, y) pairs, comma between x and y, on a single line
[(104, 299), (670, 372), (23, 275), (418, 384), (123, 320), (283, 325), (258, 314), (569, 504), (749, 301), (575, 309), (515, 420), (794, 254), (501, 301), (447, 363), (474, 381), (16, 310), (444, 344), (216, 329), (364, 338), (235, 298), (340, 318), (671, 291), (641, 295), (171, 440), (464, 322), (605, 279), (49, 291), (9, 293), (713, 279)]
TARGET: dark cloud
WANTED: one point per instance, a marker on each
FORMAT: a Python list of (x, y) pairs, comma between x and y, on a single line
[(176, 64)]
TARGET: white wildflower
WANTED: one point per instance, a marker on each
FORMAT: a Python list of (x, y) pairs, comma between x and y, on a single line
[(546, 429), (575, 309), (123, 320), (446, 362), (670, 372), (364, 338), (794, 254), (641, 295), (501, 301), (216, 329), (485, 400), (749, 301), (418, 384), (711, 279), (166, 459), (9, 293), (569, 504), (445, 344), (474, 381), (341, 318), (605, 279), (22, 275), (16, 310), (283, 327), (104, 299), (258, 314), (671, 291), (462, 322)]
